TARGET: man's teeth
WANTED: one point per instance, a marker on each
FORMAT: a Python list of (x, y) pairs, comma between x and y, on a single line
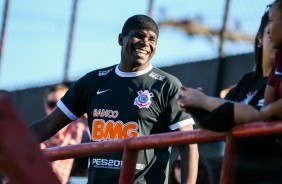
[(141, 51)]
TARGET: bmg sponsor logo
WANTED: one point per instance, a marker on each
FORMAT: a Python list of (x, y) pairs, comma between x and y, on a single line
[(112, 130)]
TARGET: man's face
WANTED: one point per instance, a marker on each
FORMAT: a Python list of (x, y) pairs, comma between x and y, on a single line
[(275, 26), (138, 48)]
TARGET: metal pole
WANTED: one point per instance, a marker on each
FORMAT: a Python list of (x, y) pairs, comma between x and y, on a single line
[(223, 29), (70, 40), (230, 161), (220, 66), (128, 165), (5, 16), (150, 10)]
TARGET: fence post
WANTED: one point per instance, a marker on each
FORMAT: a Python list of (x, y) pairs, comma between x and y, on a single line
[(230, 159), (129, 160)]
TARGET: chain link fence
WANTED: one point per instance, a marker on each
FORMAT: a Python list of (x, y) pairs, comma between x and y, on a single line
[(37, 33)]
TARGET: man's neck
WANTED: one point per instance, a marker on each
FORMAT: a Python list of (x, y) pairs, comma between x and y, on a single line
[(132, 73), (124, 68)]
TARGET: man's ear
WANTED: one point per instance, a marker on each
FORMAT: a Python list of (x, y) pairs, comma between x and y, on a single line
[(120, 39), (260, 37)]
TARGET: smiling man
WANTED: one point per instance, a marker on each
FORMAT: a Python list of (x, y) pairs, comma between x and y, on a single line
[(127, 100)]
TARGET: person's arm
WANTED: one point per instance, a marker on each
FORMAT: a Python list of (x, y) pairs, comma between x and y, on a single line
[(49, 125), (192, 98), (189, 160), (269, 95), (272, 111), (244, 113), (195, 98)]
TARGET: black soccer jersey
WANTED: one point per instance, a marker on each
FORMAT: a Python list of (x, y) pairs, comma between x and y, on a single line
[(249, 90), (122, 105)]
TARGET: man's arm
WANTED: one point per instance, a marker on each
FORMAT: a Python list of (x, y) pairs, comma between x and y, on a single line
[(49, 125), (189, 160)]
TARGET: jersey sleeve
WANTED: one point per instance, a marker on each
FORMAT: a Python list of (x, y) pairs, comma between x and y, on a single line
[(73, 103), (178, 119)]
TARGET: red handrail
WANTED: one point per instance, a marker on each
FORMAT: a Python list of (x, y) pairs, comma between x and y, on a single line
[(138, 143), (170, 139)]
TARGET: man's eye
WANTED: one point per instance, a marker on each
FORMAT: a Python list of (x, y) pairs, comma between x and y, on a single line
[(152, 40), (139, 34)]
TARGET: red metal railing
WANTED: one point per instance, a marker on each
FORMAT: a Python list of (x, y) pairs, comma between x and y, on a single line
[(132, 145), (9, 120)]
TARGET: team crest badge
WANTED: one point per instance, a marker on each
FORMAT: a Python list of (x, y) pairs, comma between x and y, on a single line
[(143, 100)]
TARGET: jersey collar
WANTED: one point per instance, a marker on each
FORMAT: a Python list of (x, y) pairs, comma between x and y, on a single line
[(132, 74)]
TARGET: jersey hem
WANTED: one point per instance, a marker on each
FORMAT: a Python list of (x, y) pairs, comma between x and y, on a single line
[(67, 112), (183, 123)]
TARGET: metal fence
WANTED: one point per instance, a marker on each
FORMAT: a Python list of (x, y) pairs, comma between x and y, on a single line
[(50, 41)]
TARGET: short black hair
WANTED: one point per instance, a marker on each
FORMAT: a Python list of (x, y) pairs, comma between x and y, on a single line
[(279, 2), (140, 22)]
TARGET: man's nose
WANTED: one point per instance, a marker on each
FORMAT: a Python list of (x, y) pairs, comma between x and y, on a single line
[(145, 41)]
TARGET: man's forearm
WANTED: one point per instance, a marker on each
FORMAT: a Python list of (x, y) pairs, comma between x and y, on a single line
[(49, 125), (189, 163), (40, 131)]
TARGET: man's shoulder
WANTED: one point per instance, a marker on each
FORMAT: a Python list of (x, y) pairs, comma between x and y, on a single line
[(95, 77), (160, 74), (102, 71)]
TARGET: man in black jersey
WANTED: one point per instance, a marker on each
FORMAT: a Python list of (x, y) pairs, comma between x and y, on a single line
[(130, 99)]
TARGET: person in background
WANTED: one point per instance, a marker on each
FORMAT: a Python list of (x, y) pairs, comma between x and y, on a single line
[(273, 94), (273, 102), (126, 100), (260, 158), (74, 133)]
